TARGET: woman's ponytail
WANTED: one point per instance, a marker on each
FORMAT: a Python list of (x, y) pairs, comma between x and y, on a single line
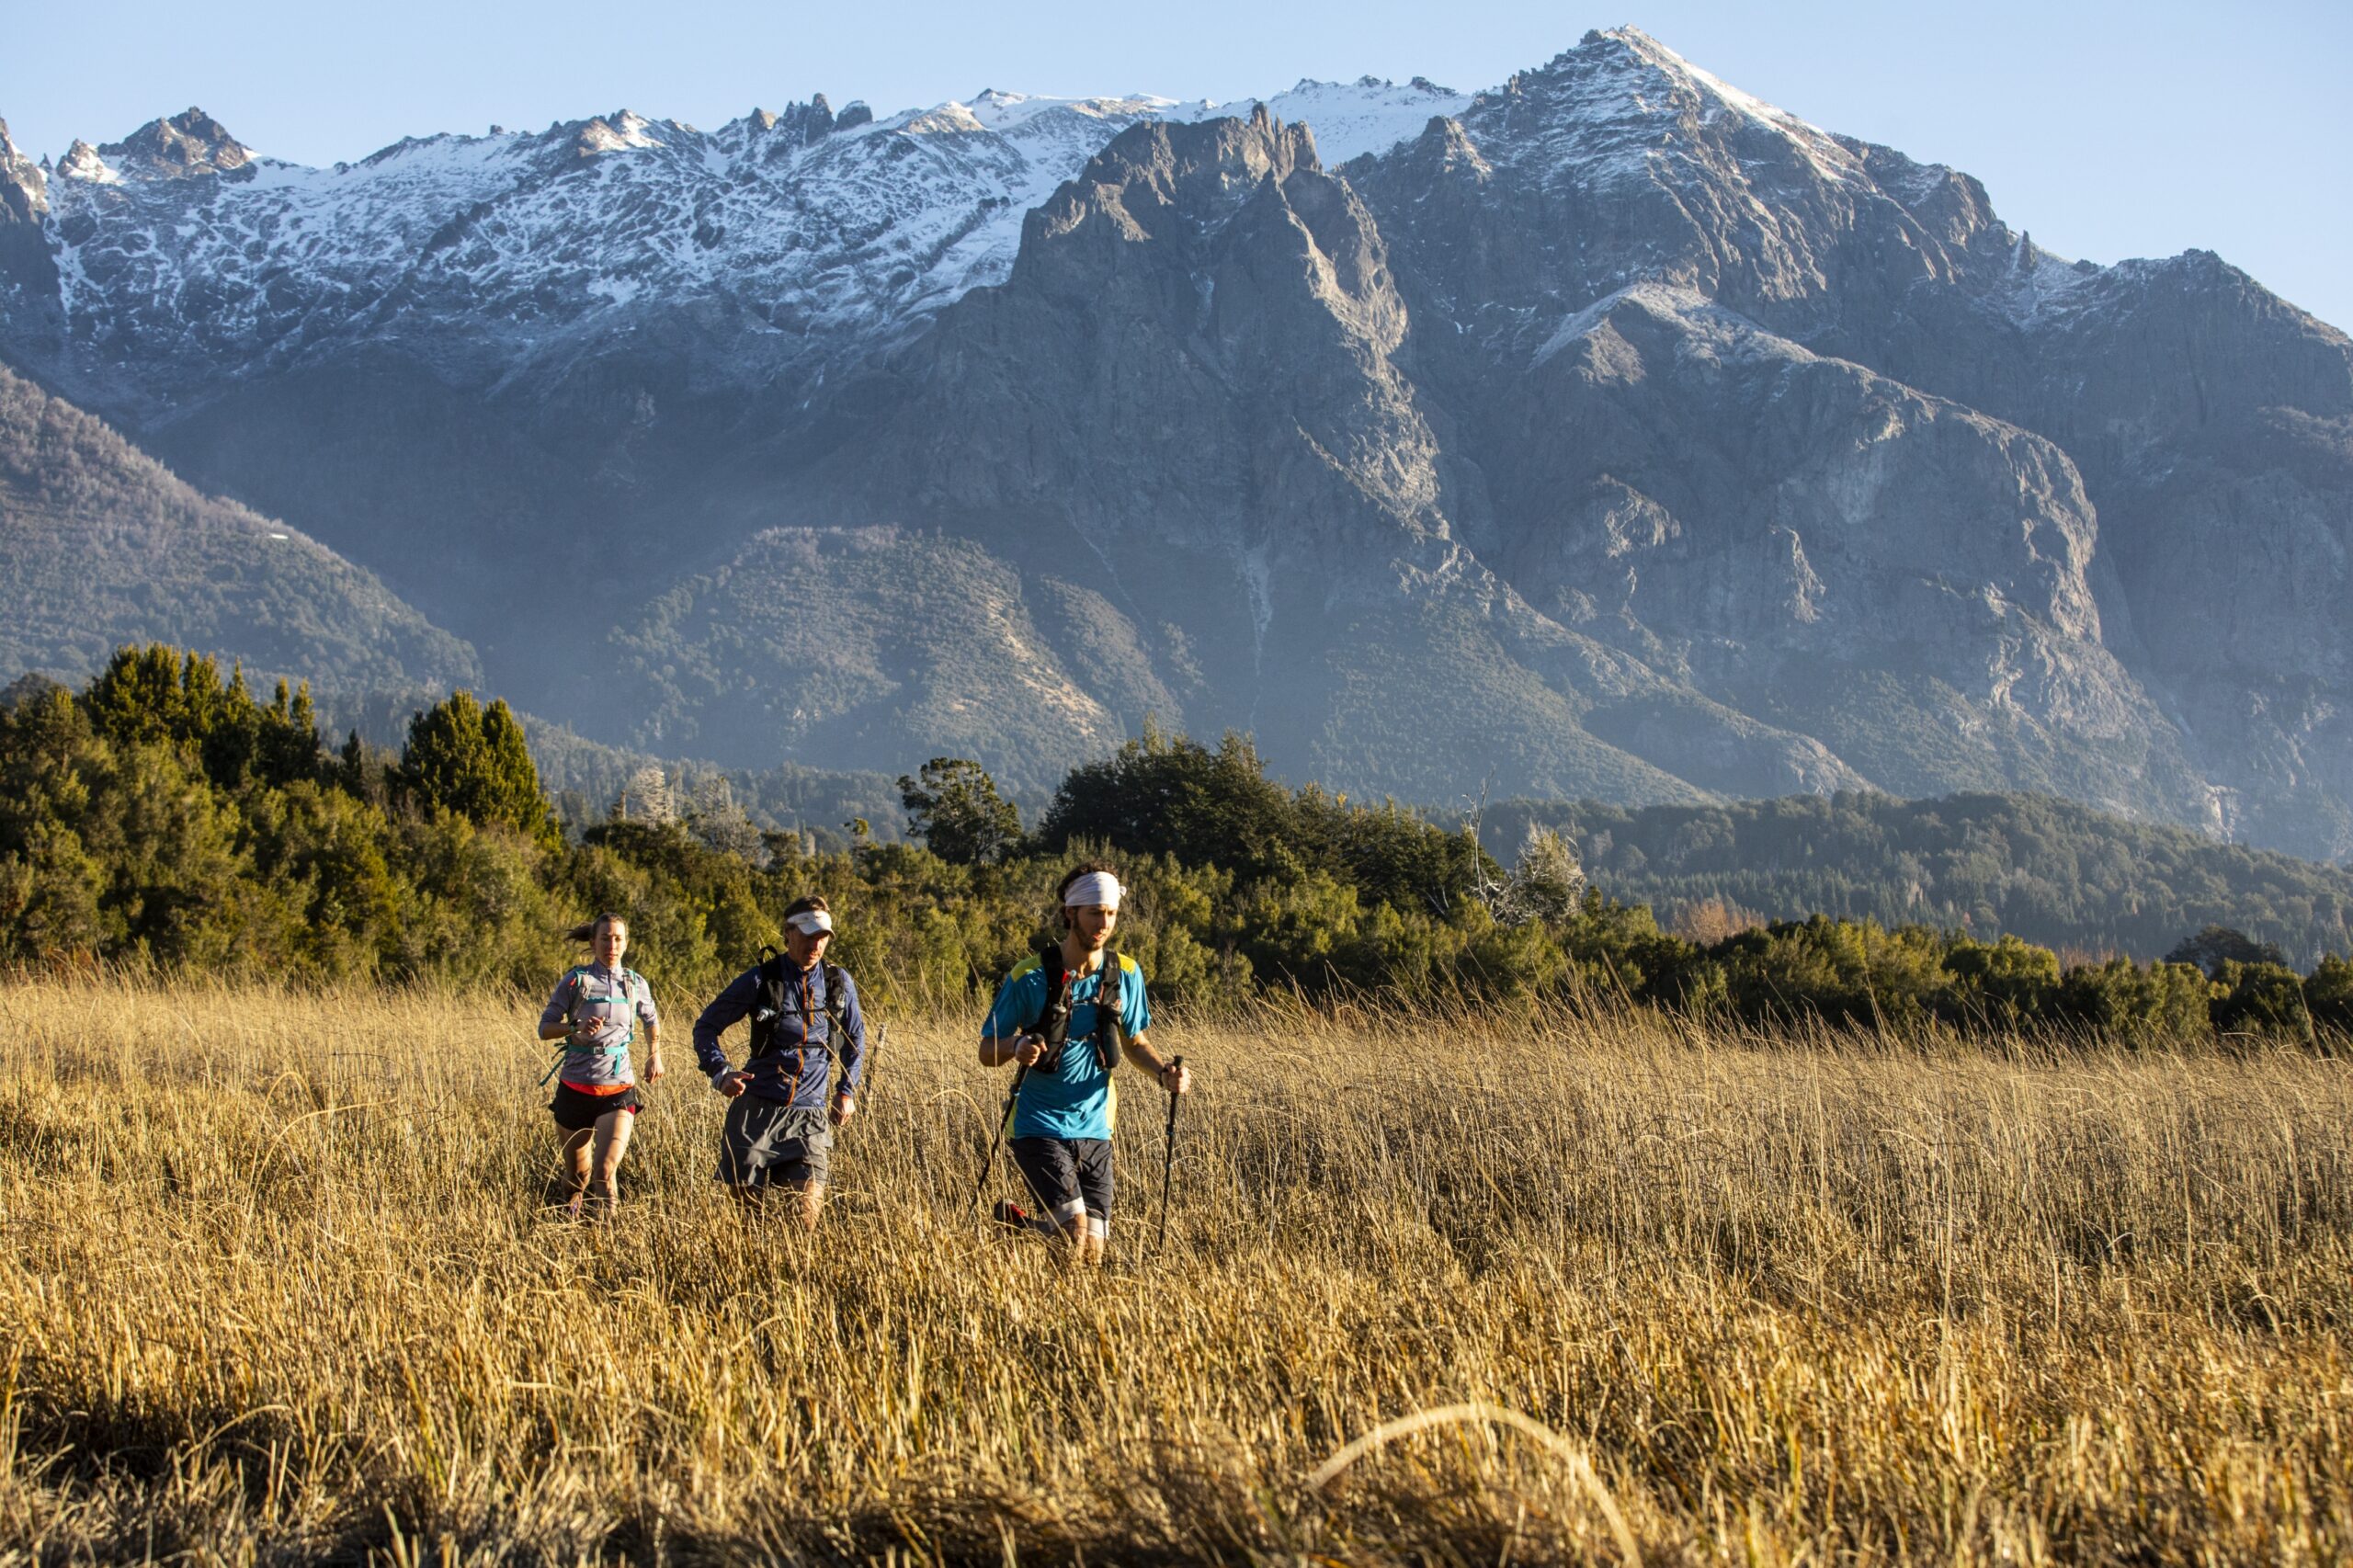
[(586, 930)]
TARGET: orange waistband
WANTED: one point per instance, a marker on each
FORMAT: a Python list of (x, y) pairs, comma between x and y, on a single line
[(595, 1089)]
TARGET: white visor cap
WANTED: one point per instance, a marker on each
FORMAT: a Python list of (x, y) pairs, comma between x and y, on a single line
[(809, 922), (1096, 887)]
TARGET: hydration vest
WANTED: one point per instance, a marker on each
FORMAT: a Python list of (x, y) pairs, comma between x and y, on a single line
[(628, 981), (773, 1001), (1054, 1024)]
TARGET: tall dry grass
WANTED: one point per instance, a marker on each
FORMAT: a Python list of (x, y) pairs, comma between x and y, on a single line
[(276, 1288)]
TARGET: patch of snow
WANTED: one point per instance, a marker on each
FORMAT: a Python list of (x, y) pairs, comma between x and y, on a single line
[(1709, 328), (1350, 119), (2037, 281)]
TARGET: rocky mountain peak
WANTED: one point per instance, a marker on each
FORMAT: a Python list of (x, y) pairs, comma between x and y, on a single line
[(1160, 183), (82, 161), (186, 144), (798, 125), (619, 131), (24, 189), (1628, 80), (1443, 149)]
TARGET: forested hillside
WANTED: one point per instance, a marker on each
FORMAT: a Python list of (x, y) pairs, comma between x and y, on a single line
[(101, 544), (2045, 869)]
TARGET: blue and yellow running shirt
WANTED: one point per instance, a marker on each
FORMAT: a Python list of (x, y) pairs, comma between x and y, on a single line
[(1078, 1100)]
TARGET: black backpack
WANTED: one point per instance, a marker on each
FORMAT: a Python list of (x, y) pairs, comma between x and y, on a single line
[(1054, 1024), (774, 1001)]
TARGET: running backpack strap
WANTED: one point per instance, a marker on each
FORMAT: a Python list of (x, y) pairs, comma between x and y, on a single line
[(837, 1005), (836, 984), (767, 1003), (1111, 992), (1053, 1022)]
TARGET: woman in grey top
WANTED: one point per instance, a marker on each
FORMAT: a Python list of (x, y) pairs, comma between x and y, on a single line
[(596, 1012)]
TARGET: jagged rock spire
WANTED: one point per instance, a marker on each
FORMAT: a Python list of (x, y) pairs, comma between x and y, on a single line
[(189, 144), (24, 189)]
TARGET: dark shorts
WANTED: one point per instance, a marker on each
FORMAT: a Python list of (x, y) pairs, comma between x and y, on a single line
[(576, 1112), (769, 1143), (1063, 1171)]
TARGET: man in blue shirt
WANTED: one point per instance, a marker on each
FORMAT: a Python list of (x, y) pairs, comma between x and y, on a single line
[(805, 1017), (1066, 1102)]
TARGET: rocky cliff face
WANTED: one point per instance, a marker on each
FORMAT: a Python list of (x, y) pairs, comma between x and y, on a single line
[(2202, 419), (1609, 432), (27, 276), (1671, 525)]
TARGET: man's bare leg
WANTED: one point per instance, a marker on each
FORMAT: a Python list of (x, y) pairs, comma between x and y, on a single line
[(1086, 1247), (807, 1200)]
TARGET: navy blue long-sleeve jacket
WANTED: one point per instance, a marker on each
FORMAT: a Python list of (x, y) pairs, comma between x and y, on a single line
[(795, 1072)]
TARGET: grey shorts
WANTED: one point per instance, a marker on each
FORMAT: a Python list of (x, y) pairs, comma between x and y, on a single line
[(1067, 1175), (767, 1144)]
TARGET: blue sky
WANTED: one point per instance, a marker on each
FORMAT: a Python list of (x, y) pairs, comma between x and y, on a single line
[(2108, 131)]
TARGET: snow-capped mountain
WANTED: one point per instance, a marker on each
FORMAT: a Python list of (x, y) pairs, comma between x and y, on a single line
[(826, 235), (1607, 431)]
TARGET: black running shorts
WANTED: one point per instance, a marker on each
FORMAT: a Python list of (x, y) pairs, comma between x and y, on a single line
[(576, 1112), (1063, 1171)]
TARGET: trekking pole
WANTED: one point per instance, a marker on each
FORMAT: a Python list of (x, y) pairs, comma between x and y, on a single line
[(1004, 1117), (1168, 1160)]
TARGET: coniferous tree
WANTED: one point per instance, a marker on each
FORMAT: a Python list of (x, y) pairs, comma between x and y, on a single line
[(472, 760)]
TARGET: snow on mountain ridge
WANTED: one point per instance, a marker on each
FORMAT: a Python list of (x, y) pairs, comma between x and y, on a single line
[(484, 252), (815, 238)]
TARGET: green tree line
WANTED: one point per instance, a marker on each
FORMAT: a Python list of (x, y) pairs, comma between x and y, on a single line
[(2050, 870), (167, 815)]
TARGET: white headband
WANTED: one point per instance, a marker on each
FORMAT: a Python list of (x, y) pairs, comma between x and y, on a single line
[(809, 922), (1096, 887)]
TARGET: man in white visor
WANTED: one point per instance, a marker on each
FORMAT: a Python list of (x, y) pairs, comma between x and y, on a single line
[(1069, 1014), (806, 1025)]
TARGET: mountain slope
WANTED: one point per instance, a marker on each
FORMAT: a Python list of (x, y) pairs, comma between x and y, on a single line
[(102, 545), (1203, 369), (2205, 419)]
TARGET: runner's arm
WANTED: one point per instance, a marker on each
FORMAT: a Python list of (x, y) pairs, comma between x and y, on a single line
[(1022, 1047), (1003, 1038), (725, 1009), (1140, 1053), (555, 1019)]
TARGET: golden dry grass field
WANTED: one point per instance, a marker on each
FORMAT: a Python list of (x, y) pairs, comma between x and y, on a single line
[(276, 1288)]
